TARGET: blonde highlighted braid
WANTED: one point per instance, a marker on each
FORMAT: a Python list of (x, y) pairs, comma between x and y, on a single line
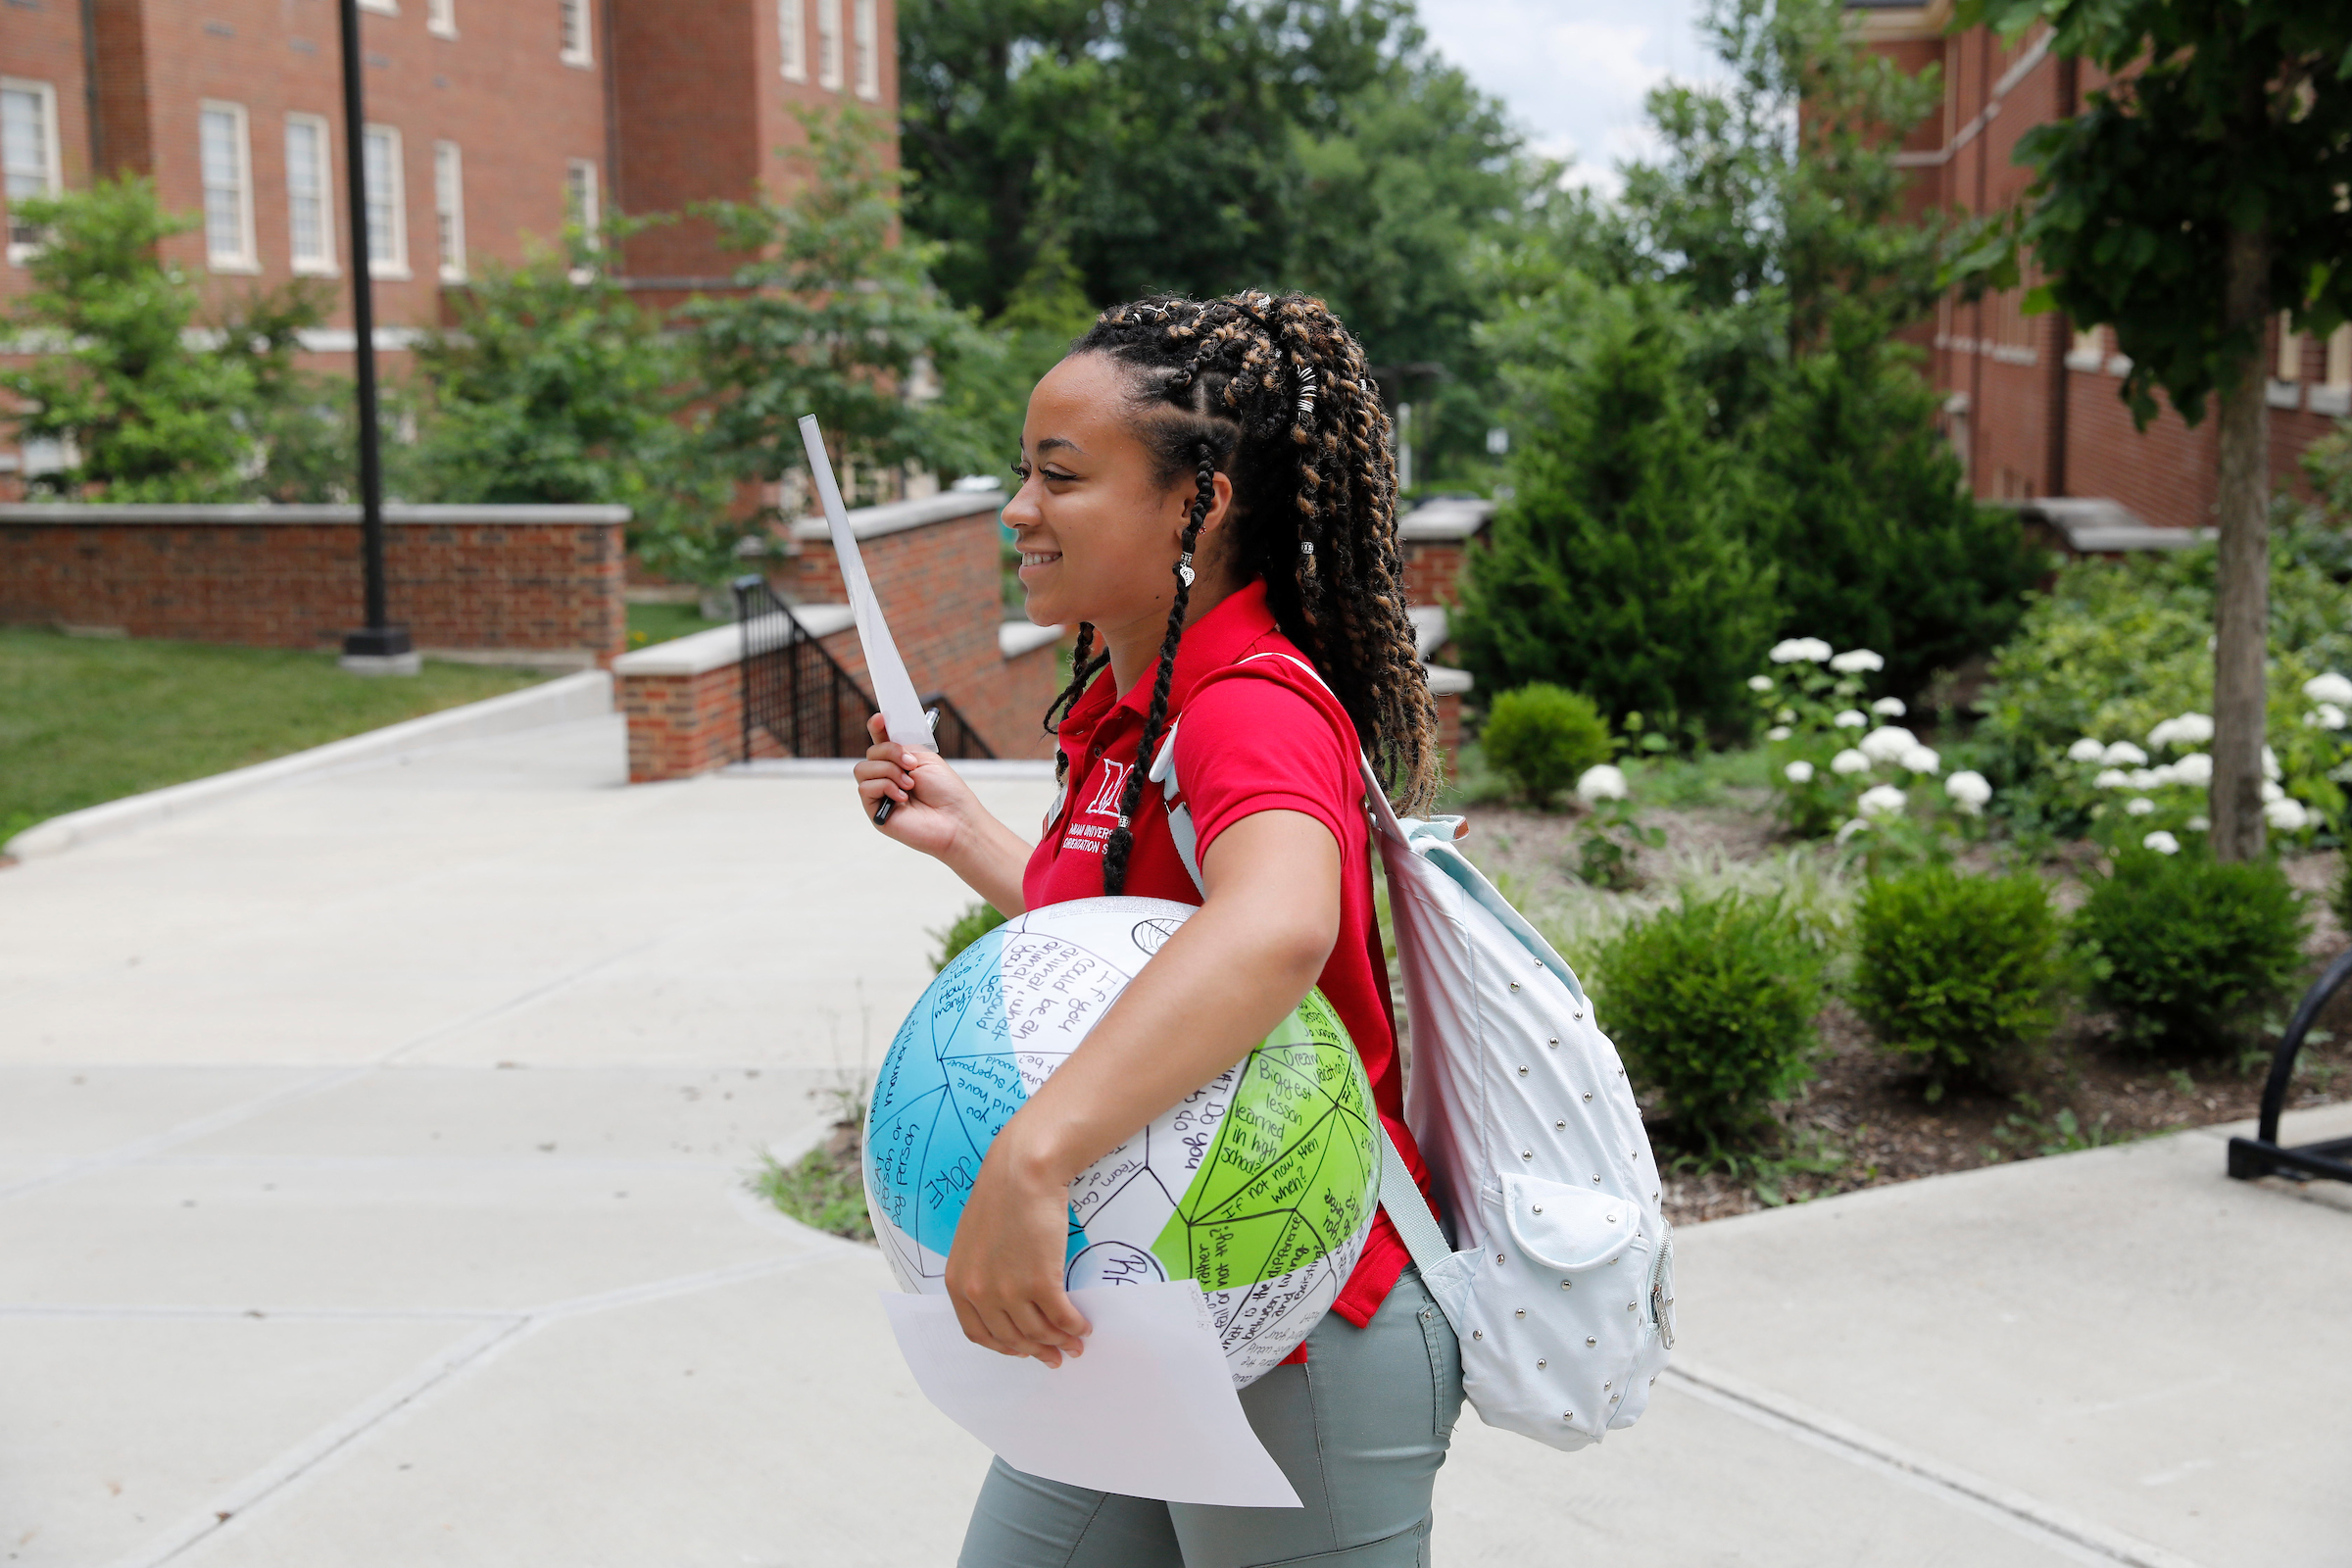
[(1273, 392)]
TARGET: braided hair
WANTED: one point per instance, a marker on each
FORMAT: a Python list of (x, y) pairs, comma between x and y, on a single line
[(1273, 392)]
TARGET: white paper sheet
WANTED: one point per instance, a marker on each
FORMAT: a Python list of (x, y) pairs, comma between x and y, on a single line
[(902, 716), (1149, 1410)]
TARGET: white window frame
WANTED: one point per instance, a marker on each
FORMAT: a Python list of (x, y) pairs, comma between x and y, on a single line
[(382, 8), (2290, 351), (322, 264), (792, 39), (583, 202), (396, 265), (2339, 356), (449, 210), (829, 44), (441, 18), (865, 42), (247, 258), (53, 171), (583, 12)]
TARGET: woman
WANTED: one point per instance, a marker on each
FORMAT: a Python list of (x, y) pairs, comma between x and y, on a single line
[(1200, 483)]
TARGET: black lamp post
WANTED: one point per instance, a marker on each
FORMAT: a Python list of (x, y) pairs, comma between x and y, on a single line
[(378, 648)]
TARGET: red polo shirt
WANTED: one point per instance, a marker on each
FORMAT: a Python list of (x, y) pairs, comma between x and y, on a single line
[(1266, 737)]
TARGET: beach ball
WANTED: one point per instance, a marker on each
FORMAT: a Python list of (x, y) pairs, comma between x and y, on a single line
[(1261, 1183)]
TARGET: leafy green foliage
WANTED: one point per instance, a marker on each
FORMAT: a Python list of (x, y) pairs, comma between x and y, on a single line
[(553, 385), (1204, 146), (1617, 564), (1542, 736), (834, 316), (2187, 950), (975, 923), (2113, 649), (147, 413), (1608, 852), (2220, 121), (1712, 1003), (1960, 974), (822, 1190)]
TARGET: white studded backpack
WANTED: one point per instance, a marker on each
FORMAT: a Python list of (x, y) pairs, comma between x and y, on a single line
[(1561, 1279)]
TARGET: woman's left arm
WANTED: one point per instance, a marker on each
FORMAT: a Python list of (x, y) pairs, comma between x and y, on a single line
[(1219, 985)]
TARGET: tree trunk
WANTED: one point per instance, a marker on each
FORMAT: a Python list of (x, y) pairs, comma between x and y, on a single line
[(2242, 596)]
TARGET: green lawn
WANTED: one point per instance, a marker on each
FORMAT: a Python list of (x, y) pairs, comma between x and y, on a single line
[(88, 719), (660, 623)]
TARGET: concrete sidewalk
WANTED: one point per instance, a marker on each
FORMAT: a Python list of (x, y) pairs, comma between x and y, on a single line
[(371, 1163)]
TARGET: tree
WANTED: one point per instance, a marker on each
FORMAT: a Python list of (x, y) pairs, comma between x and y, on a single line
[(2197, 192), (553, 385), (1617, 568), (147, 412), (833, 316)]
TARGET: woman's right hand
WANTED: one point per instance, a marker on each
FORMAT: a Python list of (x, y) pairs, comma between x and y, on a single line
[(931, 805)]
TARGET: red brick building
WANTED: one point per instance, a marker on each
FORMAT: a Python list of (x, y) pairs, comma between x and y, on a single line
[(2031, 406), (490, 123)]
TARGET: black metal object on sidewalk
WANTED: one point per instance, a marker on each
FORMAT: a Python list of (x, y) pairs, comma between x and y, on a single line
[(2261, 1154), (799, 693), (379, 639)]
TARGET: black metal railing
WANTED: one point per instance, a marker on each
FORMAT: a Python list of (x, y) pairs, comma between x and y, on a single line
[(2261, 1155), (801, 697)]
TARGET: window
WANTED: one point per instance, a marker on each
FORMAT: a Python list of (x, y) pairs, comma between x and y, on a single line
[(577, 46), (441, 18), (579, 195), (387, 214), (228, 167), (449, 210), (792, 35), (28, 150), (868, 58), (2290, 351), (829, 44), (310, 196), (2339, 356), (2088, 351)]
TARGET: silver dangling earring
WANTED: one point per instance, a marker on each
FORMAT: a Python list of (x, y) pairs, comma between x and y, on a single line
[(1184, 569)]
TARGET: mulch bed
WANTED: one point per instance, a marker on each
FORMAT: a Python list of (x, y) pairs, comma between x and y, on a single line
[(1869, 1115)]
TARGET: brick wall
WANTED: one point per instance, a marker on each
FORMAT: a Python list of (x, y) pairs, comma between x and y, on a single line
[(535, 578), (1433, 572)]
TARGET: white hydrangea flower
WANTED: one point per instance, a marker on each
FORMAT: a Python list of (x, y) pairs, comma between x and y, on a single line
[(1779, 732), (2200, 824), (1921, 760), (2196, 769), (1890, 707), (1851, 719), (1759, 683), (2160, 775), (1787, 715), (1793, 650), (2270, 763), (2189, 729), (2272, 792), (2123, 754), (1882, 800), (1887, 743), (2162, 842), (2330, 687), (1968, 790), (2111, 778), (2086, 750), (2288, 815), (2324, 716), (1849, 760), (2139, 805), (1856, 661), (1606, 782), (2142, 778), (1799, 773)]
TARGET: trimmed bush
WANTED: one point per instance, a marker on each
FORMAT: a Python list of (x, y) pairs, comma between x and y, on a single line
[(2187, 950), (1712, 1004), (1542, 737), (1959, 973)]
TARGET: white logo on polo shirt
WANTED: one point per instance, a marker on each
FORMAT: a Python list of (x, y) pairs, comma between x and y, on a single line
[(1114, 784)]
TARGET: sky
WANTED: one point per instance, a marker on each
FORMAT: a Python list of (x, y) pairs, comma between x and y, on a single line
[(1573, 72)]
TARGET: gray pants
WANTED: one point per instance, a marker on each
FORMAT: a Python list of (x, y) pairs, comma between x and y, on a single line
[(1360, 1429)]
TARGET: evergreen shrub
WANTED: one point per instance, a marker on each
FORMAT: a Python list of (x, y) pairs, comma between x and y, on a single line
[(1959, 973), (2185, 949), (976, 922), (1712, 1003), (1544, 736)]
